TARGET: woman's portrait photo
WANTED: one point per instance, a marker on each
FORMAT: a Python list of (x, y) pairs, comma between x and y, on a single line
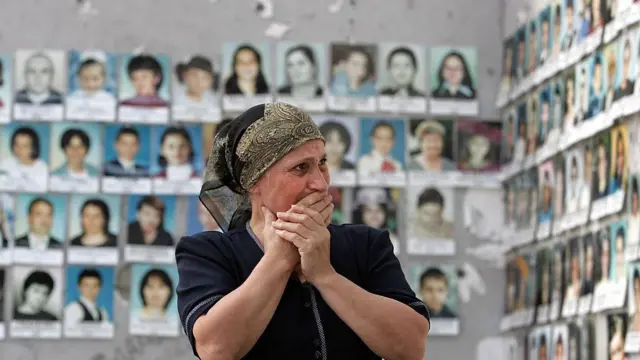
[(6, 88), (454, 73), (533, 119), (508, 65), (93, 86), (179, 157), (602, 238), (382, 147), (573, 269), (41, 228), (37, 295), (153, 307), (603, 170), (545, 38), (575, 186), (89, 293), (591, 270), (40, 82), (546, 190), (558, 276), (545, 117), (247, 75), (633, 226), (76, 156), (376, 207), (543, 277), (560, 349), (198, 217), (611, 74), (94, 220), (478, 145), (431, 145), (302, 73), (519, 71), (341, 136), (626, 63), (619, 159), (151, 220), (195, 85), (24, 157), (634, 297), (569, 116), (559, 189), (618, 238), (431, 215), (353, 70), (617, 331), (532, 41), (144, 88)]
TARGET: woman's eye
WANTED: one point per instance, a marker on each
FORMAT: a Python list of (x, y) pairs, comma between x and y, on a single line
[(323, 161), (301, 167)]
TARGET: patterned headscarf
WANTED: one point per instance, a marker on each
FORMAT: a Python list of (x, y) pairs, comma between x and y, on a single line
[(243, 150)]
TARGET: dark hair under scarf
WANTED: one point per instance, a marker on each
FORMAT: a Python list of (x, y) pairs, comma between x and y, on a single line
[(243, 150)]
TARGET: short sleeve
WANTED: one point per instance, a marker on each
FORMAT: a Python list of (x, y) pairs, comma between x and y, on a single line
[(384, 275), (205, 275)]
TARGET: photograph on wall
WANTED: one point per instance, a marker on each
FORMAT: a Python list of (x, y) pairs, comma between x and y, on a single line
[(437, 287), (557, 35), (150, 229), (570, 25), (453, 81), (555, 113), (199, 219), (7, 226), (571, 111), (509, 224), (545, 345), (478, 146), (545, 41), (341, 136), (523, 290), (635, 32), (527, 206), (520, 138), (3, 281), (596, 67), (93, 86), (37, 302), (633, 225), (578, 171), (619, 172), (88, 311), (382, 152), (633, 305), (352, 78), (512, 286), (40, 82), (557, 281), (560, 344), (616, 328), (519, 70), (402, 75), (6, 88), (153, 305), (611, 71), (24, 157), (195, 85), (431, 217), (144, 88), (94, 225), (533, 119), (127, 158), (76, 155), (616, 295), (633, 128), (580, 337), (532, 345), (601, 177), (508, 70), (573, 284), (177, 167), (509, 136), (545, 121), (246, 75), (603, 260), (627, 62), (431, 151), (591, 268), (41, 229), (546, 190), (559, 194), (532, 40), (302, 73), (377, 207)]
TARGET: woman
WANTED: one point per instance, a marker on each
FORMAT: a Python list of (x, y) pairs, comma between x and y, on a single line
[(601, 181), (374, 207), (476, 154), (354, 75), (148, 227), (302, 73), (605, 260), (75, 143), (574, 283), (25, 165), (246, 76), (635, 322), (454, 79), (619, 168), (609, 95), (619, 271), (431, 138), (589, 266), (156, 293), (268, 164), (95, 217), (176, 156), (337, 144), (402, 67)]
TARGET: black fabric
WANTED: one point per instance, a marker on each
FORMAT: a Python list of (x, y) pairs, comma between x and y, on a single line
[(87, 314), (212, 264)]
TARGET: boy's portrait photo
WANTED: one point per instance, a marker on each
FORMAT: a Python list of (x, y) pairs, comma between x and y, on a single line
[(381, 147), (431, 214), (76, 154), (89, 296), (195, 85), (40, 82), (437, 287), (127, 151), (144, 88), (37, 294), (93, 77)]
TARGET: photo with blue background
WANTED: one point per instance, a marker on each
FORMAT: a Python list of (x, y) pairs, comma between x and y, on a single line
[(127, 90), (228, 52), (366, 145), (320, 55), (138, 271), (195, 135), (59, 217), (75, 215), (528, 40), (438, 54), (93, 131), (620, 226), (545, 15), (6, 90), (41, 129), (7, 205), (632, 59), (105, 297), (143, 157), (193, 223), (109, 61), (168, 221)]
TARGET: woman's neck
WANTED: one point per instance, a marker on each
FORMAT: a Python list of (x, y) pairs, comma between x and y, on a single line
[(93, 239), (354, 84), (76, 168), (152, 311), (247, 86), (27, 309)]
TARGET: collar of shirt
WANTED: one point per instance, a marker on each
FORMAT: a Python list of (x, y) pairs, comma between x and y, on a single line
[(127, 164), (37, 242)]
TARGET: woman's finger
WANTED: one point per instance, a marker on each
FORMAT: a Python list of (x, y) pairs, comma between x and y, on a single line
[(312, 199), (297, 240), (315, 215), (293, 227), (326, 214), (298, 218)]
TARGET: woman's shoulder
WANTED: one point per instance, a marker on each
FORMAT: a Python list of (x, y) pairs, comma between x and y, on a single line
[(211, 243)]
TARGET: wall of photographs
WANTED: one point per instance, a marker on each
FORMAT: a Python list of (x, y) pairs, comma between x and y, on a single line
[(570, 99), (102, 157)]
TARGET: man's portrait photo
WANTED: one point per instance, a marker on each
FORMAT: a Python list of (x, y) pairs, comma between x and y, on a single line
[(89, 295), (151, 220), (40, 82), (93, 78), (40, 228), (37, 294), (24, 157)]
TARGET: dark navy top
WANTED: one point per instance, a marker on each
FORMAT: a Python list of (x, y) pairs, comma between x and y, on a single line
[(212, 264)]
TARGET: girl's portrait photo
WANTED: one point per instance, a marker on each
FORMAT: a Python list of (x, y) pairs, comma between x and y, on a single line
[(376, 207), (341, 135), (247, 77), (195, 85), (93, 77), (454, 77), (179, 158), (24, 157), (353, 70)]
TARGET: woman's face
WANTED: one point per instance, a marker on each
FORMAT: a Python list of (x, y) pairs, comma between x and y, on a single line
[(36, 295), (430, 214), (478, 146), (93, 220), (176, 149), (23, 148), (75, 151), (373, 215), (198, 81), (334, 146), (432, 145), (401, 69), (453, 70), (149, 218), (356, 66), (300, 69), (246, 66), (156, 293)]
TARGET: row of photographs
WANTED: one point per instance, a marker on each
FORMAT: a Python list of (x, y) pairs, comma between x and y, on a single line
[(599, 91), (78, 301), (147, 87), (588, 182), (563, 278), (560, 35), (88, 157)]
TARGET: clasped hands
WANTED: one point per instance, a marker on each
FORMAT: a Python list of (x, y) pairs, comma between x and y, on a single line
[(303, 235)]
